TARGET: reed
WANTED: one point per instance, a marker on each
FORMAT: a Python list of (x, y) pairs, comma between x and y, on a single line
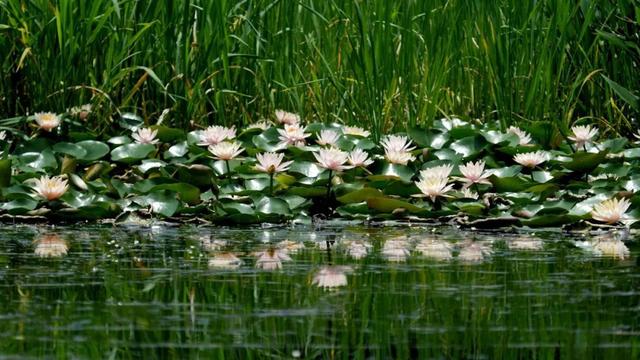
[(381, 64)]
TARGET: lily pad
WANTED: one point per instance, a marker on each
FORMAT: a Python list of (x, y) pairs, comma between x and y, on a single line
[(131, 152)]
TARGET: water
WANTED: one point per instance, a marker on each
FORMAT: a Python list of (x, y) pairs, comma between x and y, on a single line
[(415, 292)]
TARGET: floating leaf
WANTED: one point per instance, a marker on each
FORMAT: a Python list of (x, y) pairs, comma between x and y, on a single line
[(360, 195), (388, 205), (131, 152)]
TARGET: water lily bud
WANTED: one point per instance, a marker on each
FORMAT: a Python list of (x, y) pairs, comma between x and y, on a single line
[(425, 153), (336, 180), (68, 165)]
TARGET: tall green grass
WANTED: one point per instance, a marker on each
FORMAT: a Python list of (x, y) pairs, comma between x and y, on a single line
[(381, 64)]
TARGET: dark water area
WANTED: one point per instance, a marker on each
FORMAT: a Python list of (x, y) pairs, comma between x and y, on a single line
[(337, 291)]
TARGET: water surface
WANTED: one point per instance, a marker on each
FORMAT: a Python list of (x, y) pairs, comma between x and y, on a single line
[(316, 292)]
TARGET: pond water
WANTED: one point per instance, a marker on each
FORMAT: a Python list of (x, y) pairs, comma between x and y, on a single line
[(336, 291)]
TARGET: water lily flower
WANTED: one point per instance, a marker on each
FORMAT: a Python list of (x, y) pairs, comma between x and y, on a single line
[(271, 163), (262, 125), (531, 159), (226, 150), (468, 194), (396, 249), (582, 135), (433, 187), (145, 136), (271, 259), (47, 121), (216, 134), (328, 137), (357, 131), (293, 135), (610, 211), (51, 245), (331, 277), (225, 260), (359, 158), (332, 159), (437, 172), (50, 188), (81, 111), (435, 249), (287, 118), (523, 136), (474, 173), (397, 149)]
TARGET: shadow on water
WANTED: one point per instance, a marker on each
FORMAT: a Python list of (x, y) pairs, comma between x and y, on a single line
[(296, 292)]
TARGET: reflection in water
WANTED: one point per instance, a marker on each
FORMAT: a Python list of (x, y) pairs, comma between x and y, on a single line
[(331, 277), (50, 245), (435, 249), (357, 249), (225, 260), (473, 251), (525, 243), (396, 249), (162, 292), (271, 259), (605, 246)]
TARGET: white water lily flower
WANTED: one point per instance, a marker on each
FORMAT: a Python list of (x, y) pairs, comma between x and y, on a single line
[(357, 131), (332, 159), (328, 137), (293, 135), (437, 172), (81, 111), (271, 259), (359, 158), (225, 260), (397, 157), (226, 150), (474, 173), (271, 163), (47, 121), (610, 211), (531, 159), (396, 249), (396, 143), (523, 136), (51, 246), (331, 277), (50, 188), (468, 194), (145, 136), (433, 187), (262, 125), (287, 118), (216, 134), (435, 249), (583, 135)]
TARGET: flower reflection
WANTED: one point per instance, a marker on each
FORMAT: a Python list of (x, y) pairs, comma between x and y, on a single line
[(606, 246), (435, 249), (51, 245), (212, 244), (225, 260), (331, 277), (289, 246), (473, 252), (396, 249), (271, 259), (357, 249), (525, 243)]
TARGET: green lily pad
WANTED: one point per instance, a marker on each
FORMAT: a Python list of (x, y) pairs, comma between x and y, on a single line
[(94, 150), (131, 152), (187, 192), (388, 205), (585, 162), (360, 195), (272, 206), (509, 184), (74, 150), (163, 202)]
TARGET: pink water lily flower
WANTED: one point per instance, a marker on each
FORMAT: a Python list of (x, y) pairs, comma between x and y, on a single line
[(332, 159), (272, 163), (610, 211), (47, 121)]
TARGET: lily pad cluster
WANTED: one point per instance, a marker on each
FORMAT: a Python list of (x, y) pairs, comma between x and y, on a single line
[(53, 168)]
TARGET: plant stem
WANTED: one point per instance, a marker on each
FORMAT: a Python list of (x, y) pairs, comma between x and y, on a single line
[(270, 184), (329, 186), (228, 168)]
